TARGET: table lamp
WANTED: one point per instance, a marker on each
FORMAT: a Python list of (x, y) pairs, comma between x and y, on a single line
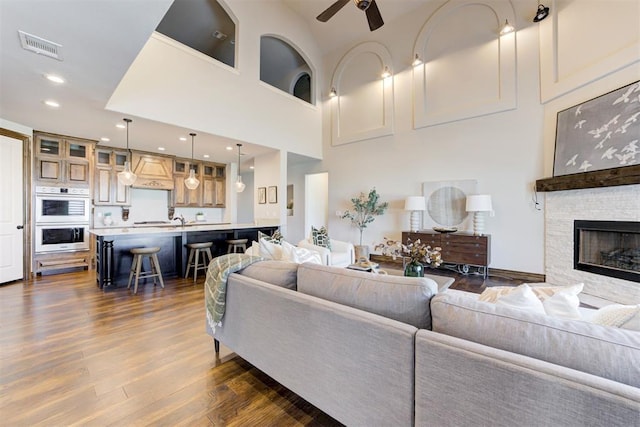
[(415, 204), (478, 204)]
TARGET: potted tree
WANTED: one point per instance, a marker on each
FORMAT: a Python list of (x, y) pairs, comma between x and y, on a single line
[(365, 208)]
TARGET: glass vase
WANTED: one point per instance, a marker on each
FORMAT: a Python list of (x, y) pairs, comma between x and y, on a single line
[(414, 269)]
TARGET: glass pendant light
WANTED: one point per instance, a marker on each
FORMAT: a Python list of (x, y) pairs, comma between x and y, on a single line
[(192, 182), (127, 177), (239, 184)]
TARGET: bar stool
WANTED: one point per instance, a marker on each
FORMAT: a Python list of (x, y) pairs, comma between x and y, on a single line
[(235, 244), (136, 266), (196, 248)]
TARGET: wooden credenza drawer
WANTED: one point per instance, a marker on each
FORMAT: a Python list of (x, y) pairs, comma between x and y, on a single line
[(457, 248)]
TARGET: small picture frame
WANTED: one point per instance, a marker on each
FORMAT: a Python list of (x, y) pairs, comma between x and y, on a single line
[(262, 195), (273, 194)]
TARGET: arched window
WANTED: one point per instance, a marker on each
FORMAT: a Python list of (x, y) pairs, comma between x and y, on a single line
[(202, 25), (283, 67)]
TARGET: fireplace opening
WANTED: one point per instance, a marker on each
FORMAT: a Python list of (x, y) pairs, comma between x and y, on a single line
[(609, 248)]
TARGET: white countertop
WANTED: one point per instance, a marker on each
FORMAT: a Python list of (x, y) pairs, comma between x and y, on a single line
[(169, 229)]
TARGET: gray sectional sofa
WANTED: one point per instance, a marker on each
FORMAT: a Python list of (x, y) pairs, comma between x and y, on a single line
[(374, 350)]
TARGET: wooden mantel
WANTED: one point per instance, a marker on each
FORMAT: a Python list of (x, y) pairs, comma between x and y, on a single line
[(626, 175)]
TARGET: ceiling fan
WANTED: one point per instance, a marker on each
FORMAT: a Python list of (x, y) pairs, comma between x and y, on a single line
[(371, 9)]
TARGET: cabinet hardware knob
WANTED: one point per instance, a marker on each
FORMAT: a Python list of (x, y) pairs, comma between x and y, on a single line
[(20, 227)]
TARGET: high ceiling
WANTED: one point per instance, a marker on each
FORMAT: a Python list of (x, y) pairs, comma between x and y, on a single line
[(100, 39)]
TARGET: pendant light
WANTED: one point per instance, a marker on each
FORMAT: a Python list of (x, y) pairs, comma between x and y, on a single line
[(239, 184), (192, 182), (127, 177)]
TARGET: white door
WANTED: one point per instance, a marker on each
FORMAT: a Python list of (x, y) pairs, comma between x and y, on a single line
[(11, 210)]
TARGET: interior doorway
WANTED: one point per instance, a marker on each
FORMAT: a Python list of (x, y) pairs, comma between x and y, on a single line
[(12, 220), (316, 200)]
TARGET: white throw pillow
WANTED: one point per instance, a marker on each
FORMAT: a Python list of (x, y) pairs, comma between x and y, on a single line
[(270, 250), (292, 253), (618, 316), (564, 303), (522, 298)]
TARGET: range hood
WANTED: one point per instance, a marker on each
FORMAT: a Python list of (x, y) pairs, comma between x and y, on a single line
[(153, 172)]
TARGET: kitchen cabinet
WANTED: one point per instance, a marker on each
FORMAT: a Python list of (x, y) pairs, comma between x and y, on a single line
[(107, 191), (182, 196), (211, 191), (152, 171), (62, 160)]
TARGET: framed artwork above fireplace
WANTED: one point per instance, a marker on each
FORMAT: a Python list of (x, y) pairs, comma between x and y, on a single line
[(601, 133)]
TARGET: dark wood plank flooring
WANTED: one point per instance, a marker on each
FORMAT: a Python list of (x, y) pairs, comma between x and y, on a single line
[(71, 354)]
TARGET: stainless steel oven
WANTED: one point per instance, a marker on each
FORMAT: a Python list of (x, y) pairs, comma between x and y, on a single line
[(61, 237), (62, 205)]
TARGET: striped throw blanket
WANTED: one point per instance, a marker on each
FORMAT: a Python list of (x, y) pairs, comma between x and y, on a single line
[(215, 286)]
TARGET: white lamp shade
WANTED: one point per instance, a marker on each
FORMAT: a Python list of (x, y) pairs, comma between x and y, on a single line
[(414, 203), (479, 203)]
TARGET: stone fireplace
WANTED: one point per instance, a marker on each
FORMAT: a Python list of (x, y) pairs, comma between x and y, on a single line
[(606, 204)]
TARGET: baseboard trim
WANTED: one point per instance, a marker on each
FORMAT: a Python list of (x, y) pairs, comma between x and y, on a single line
[(493, 272)]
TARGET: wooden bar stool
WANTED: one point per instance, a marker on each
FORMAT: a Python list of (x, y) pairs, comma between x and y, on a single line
[(235, 244), (196, 249), (136, 266)]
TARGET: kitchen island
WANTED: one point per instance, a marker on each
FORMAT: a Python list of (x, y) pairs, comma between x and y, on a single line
[(113, 246)]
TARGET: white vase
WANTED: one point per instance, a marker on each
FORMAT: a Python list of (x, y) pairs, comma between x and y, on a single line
[(107, 220)]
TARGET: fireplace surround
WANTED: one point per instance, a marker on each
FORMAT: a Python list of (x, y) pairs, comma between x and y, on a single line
[(608, 248)]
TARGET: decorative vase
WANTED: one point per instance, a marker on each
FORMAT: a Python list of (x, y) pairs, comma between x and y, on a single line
[(414, 269), (361, 252)]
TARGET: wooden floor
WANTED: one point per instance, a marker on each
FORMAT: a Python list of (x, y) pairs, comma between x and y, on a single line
[(71, 354)]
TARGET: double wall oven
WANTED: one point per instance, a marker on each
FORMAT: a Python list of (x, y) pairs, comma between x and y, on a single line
[(62, 219)]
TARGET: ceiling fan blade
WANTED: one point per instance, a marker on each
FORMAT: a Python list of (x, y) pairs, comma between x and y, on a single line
[(374, 17), (331, 10)]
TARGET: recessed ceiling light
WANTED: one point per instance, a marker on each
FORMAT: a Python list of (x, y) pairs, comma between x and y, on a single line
[(120, 126), (206, 156), (229, 148), (183, 138), (52, 103), (251, 167), (105, 139), (161, 148), (53, 78)]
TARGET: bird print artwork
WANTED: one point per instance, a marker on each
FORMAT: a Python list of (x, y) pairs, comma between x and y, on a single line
[(601, 133), (585, 165)]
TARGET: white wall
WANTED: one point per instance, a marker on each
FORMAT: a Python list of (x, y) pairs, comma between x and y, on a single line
[(270, 170), (316, 202), (220, 100), (504, 151), (246, 199)]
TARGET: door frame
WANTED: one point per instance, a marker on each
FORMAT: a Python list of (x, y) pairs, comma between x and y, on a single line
[(26, 201)]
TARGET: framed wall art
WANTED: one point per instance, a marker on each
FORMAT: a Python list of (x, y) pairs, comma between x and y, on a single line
[(601, 133), (273, 194), (262, 195)]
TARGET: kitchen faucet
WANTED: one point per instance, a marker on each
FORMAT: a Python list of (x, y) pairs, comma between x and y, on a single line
[(181, 218)]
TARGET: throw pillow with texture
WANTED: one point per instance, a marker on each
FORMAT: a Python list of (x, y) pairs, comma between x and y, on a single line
[(276, 237), (270, 250), (618, 316), (320, 237)]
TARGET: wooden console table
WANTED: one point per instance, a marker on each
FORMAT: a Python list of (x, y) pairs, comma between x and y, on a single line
[(462, 249)]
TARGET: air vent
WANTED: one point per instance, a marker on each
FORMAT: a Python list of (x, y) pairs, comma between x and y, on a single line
[(40, 45)]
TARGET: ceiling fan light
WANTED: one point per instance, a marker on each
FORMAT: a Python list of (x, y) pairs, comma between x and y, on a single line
[(127, 177), (192, 182), (541, 13)]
